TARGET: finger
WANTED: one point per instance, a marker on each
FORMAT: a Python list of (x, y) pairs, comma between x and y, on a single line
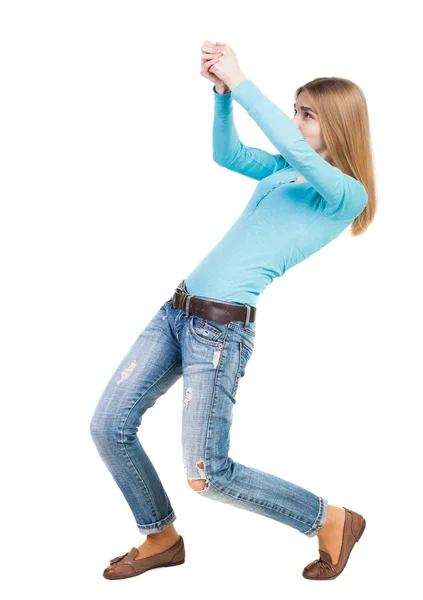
[(208, 44), (209, 47), (208, 50), (211, 62), (207, 56), (207, 65)]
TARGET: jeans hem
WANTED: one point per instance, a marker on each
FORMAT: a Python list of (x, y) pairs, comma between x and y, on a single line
[(320, 519), (158, 525)]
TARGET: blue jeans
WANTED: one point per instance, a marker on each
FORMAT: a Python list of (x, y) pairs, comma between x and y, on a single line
[(212, 358)]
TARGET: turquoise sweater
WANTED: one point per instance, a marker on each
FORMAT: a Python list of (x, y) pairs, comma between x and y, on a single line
[(284, 221)]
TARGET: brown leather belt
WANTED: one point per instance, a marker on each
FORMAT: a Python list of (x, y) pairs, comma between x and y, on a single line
[(221, 312)]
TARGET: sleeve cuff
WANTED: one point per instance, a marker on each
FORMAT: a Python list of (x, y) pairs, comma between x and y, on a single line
[(221, 97)]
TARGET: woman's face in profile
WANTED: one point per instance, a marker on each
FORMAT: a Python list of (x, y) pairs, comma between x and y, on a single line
[(306, 119)]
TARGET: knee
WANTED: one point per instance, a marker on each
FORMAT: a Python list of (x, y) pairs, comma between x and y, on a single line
[(197, 484), (102, 430)]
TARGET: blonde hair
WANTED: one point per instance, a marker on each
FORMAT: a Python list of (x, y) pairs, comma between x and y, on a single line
[(344, 120)]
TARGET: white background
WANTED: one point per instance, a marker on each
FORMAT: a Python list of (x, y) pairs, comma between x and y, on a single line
[(110, 197)]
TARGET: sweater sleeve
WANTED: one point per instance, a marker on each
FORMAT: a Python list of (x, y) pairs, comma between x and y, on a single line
[(230, 152), (345, 196)]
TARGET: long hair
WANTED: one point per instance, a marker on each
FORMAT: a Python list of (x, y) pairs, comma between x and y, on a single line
[(344, 121)]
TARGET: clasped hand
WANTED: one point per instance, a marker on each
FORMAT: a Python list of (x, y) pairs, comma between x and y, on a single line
[(227, 68)]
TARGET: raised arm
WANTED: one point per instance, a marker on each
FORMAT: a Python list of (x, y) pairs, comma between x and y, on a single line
[(345, 196), (230, 152)]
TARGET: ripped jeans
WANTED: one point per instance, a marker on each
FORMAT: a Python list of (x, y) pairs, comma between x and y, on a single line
[(212, 358)]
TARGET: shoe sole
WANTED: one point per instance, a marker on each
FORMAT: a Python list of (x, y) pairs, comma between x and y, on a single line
[(135, 574), (337, 575)]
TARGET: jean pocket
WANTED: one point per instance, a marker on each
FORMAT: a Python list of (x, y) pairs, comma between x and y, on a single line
[(208, 332)]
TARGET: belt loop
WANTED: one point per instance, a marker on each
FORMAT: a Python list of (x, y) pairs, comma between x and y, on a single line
[(187, 305), (247, 320)]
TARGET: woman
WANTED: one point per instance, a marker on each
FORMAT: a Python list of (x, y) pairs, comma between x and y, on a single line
[(319, 183)]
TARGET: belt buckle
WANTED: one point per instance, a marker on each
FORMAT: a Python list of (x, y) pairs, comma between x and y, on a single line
[(182, 299)]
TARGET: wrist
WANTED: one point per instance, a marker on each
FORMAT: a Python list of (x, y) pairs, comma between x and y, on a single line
[(222, 89), (236, 81)]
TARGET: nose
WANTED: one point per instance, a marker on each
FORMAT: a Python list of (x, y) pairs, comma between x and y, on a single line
[(295, 123)]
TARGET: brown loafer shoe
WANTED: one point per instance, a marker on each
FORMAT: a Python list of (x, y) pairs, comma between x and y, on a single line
[(323, 567), (127, 565)]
